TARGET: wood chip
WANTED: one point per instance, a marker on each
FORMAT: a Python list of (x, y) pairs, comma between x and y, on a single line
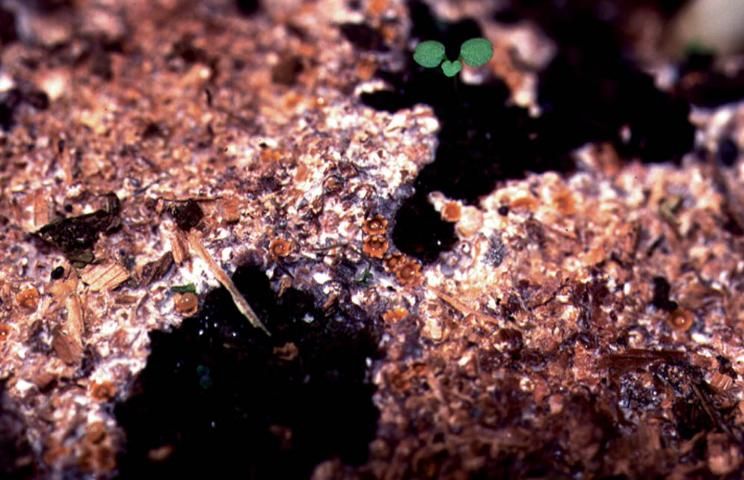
[(67, 339), (41, 210), (179, 247), (106, 276), (66, 347), (75, 325), (230, 209), (461, 307), (224, 279), (62, 288), (155, 270)]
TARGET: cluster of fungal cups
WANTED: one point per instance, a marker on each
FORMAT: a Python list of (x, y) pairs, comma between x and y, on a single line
[(375, 245)]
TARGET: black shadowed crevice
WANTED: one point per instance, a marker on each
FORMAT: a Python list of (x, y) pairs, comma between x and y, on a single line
[(7, 26), (248, 7), (431, 234), (12, 99), (661, 298), (593, 91), (363, 36), (704, 83), (16, 456), (220, 397)]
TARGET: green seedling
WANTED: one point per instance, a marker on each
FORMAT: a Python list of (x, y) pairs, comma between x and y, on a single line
[(429, 54), (451, 68), (365, 277), (475, 52), (188, 288)]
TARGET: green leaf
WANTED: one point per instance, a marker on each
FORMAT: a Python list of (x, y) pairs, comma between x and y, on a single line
[(429, 53), (365, 277), (476, 52), (81, 258), (451, 68), (188, 288)]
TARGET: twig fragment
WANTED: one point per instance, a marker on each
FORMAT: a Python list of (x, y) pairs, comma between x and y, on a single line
[(461, 307), (222, 277)]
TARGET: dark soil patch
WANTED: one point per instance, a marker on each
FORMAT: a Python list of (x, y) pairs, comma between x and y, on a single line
[(220, 398), (16, 458)]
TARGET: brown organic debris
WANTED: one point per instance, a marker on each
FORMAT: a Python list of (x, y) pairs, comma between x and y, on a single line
[(287, 352), (470, 221), (75, 323), (28, 298), (97, 458), (375, 246), (724, 456), (394, 261), (68, 348), (67, 339), (231, 209), (461, 307), (161, 453), (179, 247), (721, 382), (103, 391), (728, 184), (76, 236), (394, 314), (186, 304), (408, 273), (681, 319), (451, 212), (157, 269), (60, 289), (375, 225), (96, 433), (105, 276), (187, 215), (635, 358), (564, 202), (41, 210), (280, 247), (4, 332)]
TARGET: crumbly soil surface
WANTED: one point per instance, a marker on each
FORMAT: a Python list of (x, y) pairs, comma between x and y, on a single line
[(486, 277)]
